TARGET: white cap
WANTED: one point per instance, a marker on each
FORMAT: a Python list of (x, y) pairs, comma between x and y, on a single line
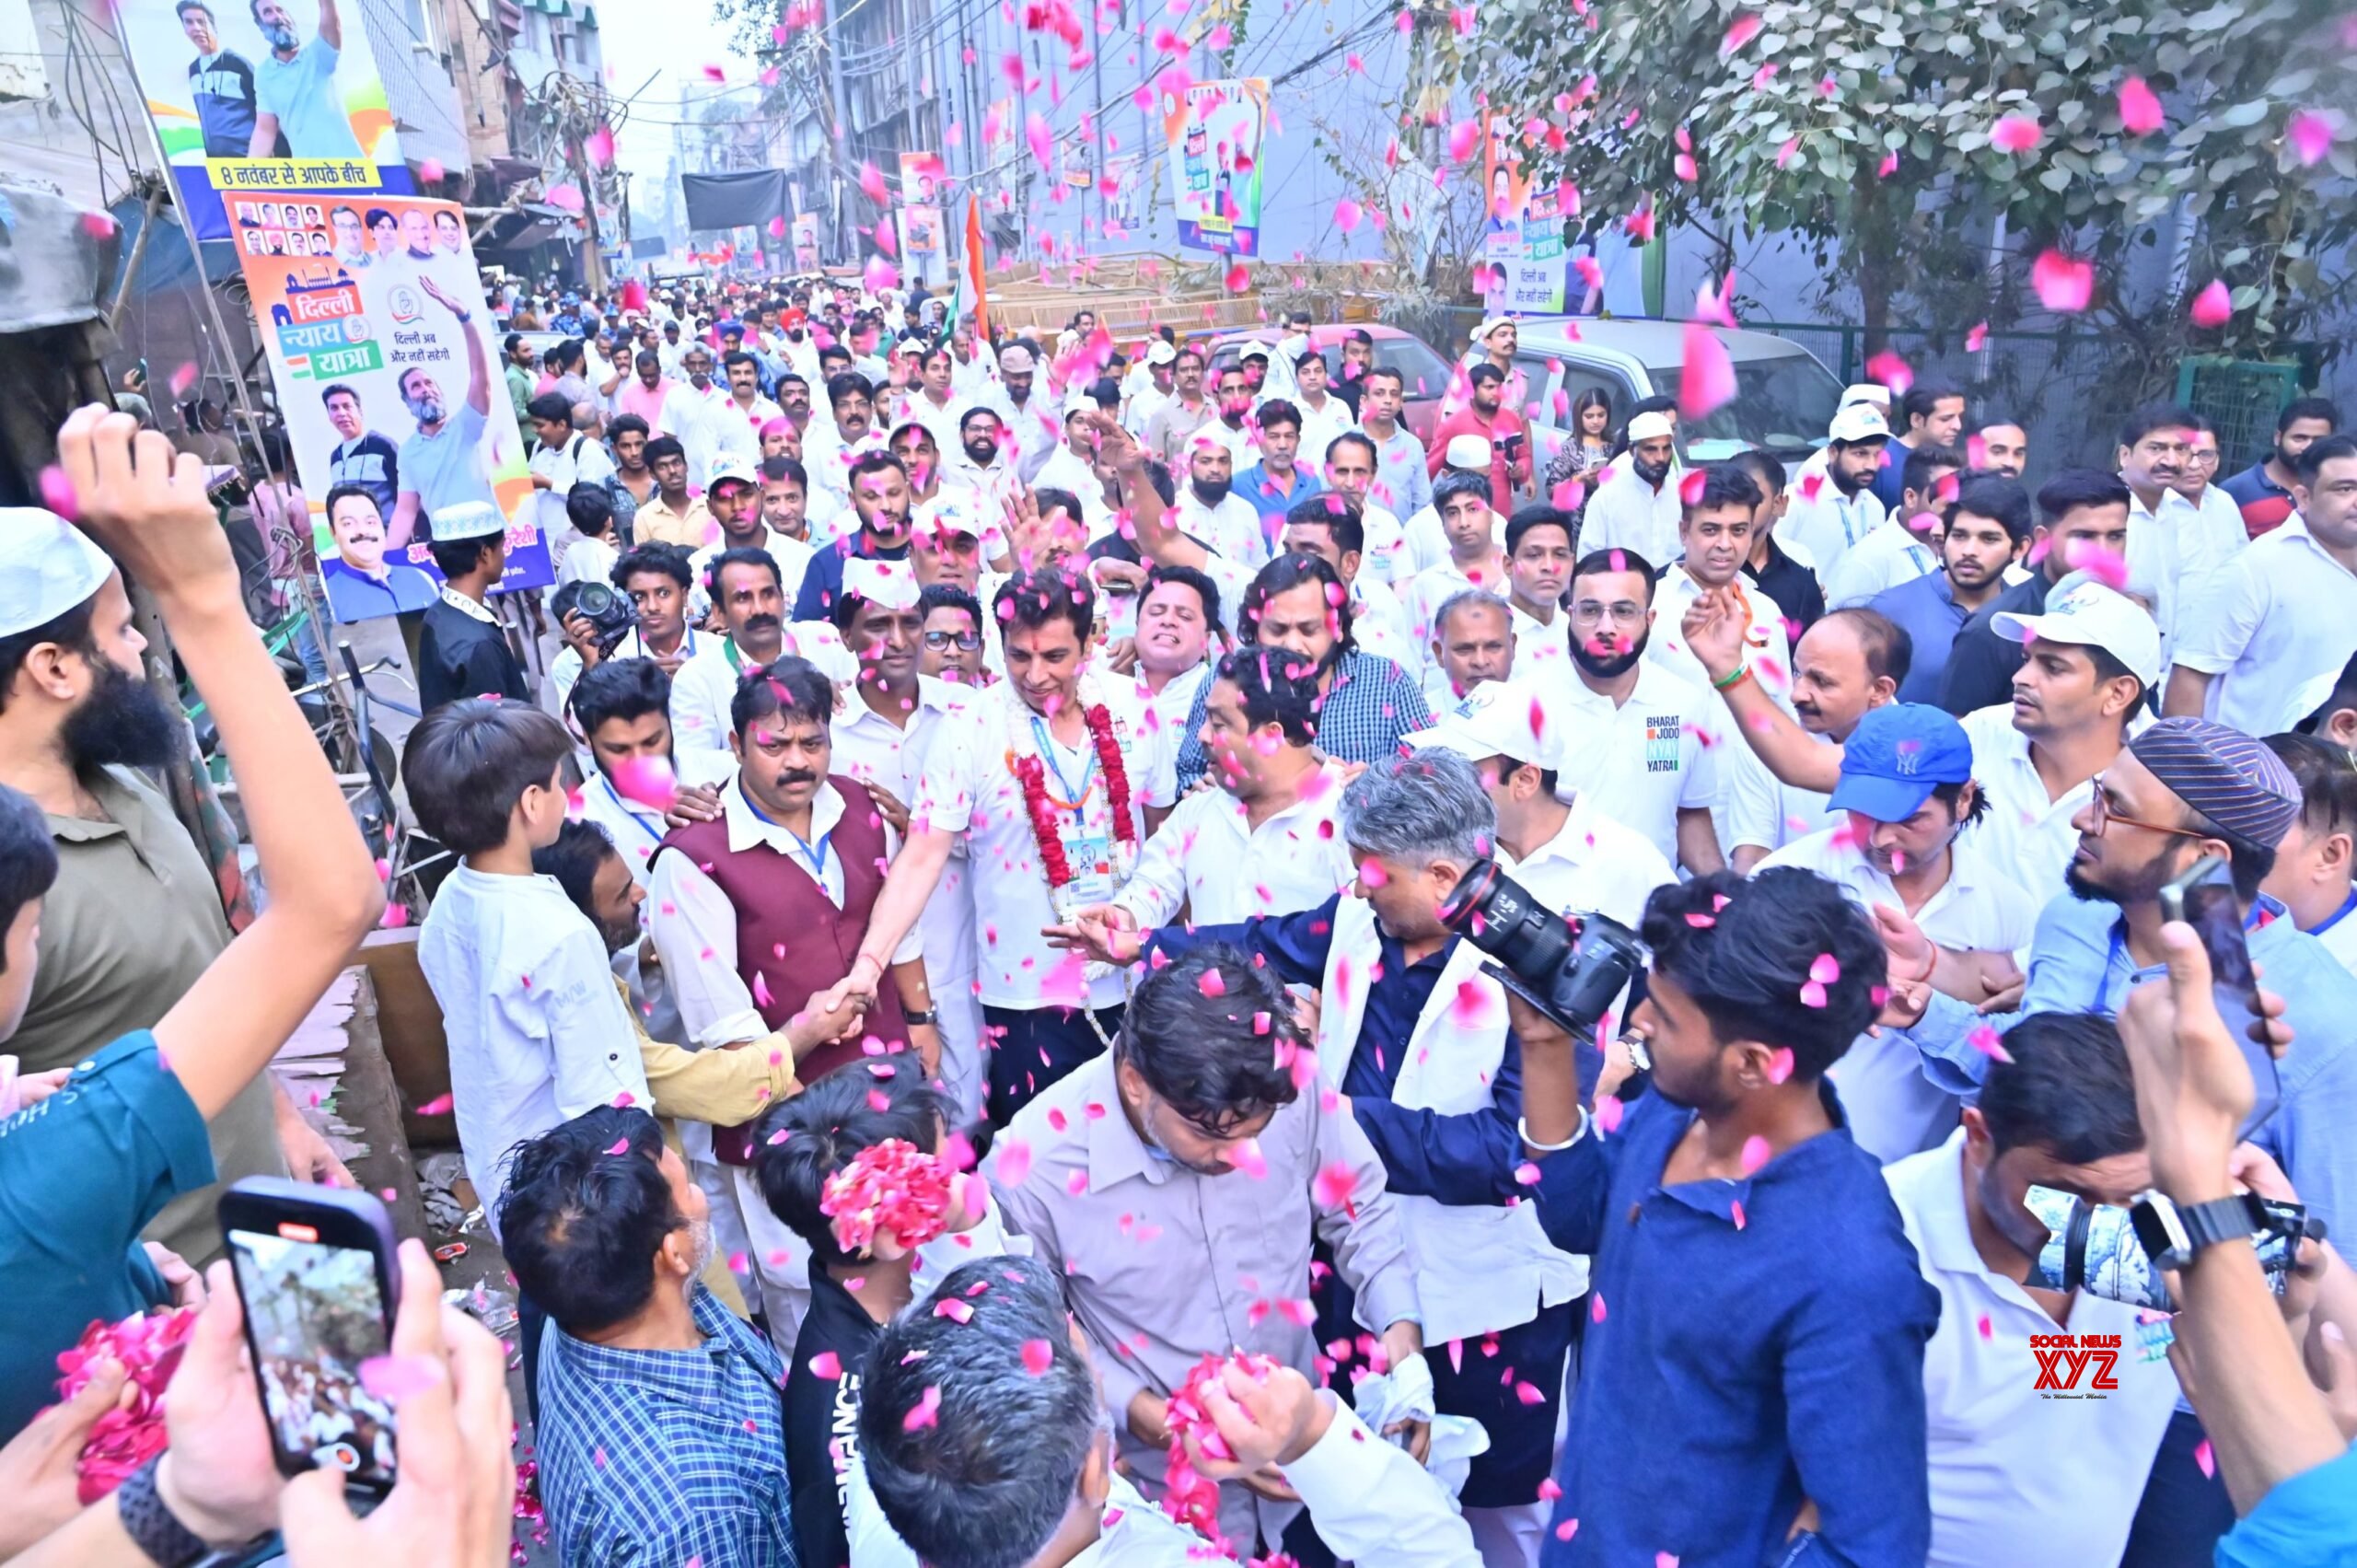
[(1858, 422), (729, 469), (1161, 354), (947, 513), (466, 519), (1651, 425), (47, 567), (1866, 392), (1256, 351), (2084, 613), (1471, 453), (1490, 324), (893, 584), (1494, 719)]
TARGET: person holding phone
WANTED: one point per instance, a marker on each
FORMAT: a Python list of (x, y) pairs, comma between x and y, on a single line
[(127, 1135), (2184, 789)]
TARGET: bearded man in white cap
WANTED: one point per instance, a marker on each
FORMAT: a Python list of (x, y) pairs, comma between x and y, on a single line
[(462, 649), (135, 916), (1832, 504), (1152, 384), (1633, 504)]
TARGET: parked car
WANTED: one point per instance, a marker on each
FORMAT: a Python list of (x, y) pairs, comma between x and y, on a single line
[(1784, 396), (1424, 374)]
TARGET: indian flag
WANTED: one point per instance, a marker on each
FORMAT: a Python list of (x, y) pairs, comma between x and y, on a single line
[(969, 299)]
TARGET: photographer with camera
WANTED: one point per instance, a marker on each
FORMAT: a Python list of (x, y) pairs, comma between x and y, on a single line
[(2288, 1469), (2030, 1464), (1751, 1376)]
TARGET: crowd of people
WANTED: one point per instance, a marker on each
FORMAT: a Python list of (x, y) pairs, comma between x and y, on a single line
[(964, 1023)]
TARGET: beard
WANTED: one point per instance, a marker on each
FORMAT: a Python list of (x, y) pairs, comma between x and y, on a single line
[(426, 411), (1652, 473), (1211, 491), (120, 723), (2141, 885), (1605, 666), (984, 453), (280, 37), (1844, 481)]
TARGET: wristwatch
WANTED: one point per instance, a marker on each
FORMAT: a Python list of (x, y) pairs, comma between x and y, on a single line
[(2171, 1233), (150, 1523), (911, 1016)]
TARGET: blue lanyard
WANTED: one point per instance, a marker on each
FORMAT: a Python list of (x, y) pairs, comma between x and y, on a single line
[(2338, 915), (1078, 797), (615, 796), (815, 854), (2119, 942)]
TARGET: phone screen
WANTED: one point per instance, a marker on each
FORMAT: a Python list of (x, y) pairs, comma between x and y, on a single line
[(313, 1314), (2210, 910)]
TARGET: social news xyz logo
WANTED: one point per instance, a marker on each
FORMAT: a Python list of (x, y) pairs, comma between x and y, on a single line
[(2065, 1361)]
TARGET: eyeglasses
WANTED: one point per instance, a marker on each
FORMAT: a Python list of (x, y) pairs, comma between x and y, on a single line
[(2204, 459), (939, 640), (2105, 816)]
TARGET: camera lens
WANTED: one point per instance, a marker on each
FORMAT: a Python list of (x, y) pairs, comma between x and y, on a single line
[(1493, 913)]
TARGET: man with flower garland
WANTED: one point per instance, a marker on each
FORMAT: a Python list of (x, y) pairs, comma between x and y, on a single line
[(1054, 778)]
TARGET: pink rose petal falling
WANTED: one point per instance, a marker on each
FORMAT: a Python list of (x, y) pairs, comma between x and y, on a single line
[(2139, 107), (2213, 306), (2062, 284), (2016, 133), (2309, 135)]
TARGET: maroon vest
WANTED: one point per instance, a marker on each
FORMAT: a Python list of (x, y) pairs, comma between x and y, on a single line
[(792, 942)]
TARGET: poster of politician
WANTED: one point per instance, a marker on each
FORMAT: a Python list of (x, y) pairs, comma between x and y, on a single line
[(388, 374), (1214, 131), (265, 96)]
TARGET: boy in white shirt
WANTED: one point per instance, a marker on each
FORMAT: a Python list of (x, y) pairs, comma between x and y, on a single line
[(537, 1031)]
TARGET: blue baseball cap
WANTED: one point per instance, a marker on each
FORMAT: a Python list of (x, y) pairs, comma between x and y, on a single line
[(1896, 757)]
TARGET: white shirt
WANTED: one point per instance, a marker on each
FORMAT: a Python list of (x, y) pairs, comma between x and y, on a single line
[(1625, 513), (1763, 809), (2018, 1477), (1319, 426), (972, 378), (940, 418), (705, 686), (1379, 624), (694, 925), (792, 555), (1639, 762), (1067, 469), (1894, 1109), (1223, 871), (635, 827), (587, 560), (537, 1031), (968, 787), (1424, 544), (2027, 835), (1826, 522), (1768, 647), (1427, 592), (869, 748), (1891, 553), (581, 460), (2276, 628), (1538, 643), (1386, 557), (1231, 528), (2339, 934), (1593, 865), (566, 669)]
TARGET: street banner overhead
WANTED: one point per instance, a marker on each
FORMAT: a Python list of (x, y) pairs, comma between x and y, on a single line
[(270, 97), (388, 376), (1214, 135)]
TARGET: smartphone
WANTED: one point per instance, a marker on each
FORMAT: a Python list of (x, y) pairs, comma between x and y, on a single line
[(2204, 899), (316, 1271)]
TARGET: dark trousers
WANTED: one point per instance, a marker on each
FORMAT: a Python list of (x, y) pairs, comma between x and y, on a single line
[(2184, 1513), (1522, 1436), (1032, 1048)]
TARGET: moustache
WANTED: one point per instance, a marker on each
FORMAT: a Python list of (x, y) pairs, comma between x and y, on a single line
[(763, 623), (796, 776)]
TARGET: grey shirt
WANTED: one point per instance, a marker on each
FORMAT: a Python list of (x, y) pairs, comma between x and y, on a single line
[(1162, 1266)]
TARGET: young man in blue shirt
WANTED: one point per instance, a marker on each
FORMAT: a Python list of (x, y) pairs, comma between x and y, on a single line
[(1751, 1385)]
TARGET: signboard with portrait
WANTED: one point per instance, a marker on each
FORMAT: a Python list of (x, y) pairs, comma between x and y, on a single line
[(1528, 265), (1214, 133), (261, 96), (923, 178), (920, 230), (806, 242), (387, 373)]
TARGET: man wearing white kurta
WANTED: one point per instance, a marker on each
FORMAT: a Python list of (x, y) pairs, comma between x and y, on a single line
[(1632, 503), (1029, 782), (1832, 505)]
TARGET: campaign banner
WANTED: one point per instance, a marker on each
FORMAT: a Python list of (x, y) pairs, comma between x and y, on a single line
[(269, 96), (923, 178), (806, 242), (386, 367), (1528, 265), (1214, 135), (920, 230)]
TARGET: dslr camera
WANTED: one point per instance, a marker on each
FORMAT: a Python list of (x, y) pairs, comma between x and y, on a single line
[(604, 608), (2103, 1249), (1570, 968)]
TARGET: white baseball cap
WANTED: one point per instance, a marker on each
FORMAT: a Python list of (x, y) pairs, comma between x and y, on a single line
[(1858, 422), (47, 567), (731, 470), (893, 584), (1866, 392), (1161, 352), (1469, 452), (2086, 613), (1256, 351), (1494, 719)]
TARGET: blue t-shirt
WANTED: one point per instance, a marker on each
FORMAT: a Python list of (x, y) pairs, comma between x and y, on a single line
[(447, 469), (81, 1174), (301, 92), (352, 597)]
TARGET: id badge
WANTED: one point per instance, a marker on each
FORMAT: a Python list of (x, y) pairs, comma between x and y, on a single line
[(1091, 858)]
